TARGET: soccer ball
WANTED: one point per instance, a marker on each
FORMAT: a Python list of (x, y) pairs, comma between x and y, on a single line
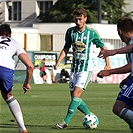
[(90, 121)]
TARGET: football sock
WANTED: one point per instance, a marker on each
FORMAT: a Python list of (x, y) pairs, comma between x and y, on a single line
[(83, 108), (72, 108), (127, 115), (16, 111)]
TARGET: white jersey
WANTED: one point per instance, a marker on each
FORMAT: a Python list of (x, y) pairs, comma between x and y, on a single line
[(8, 48)]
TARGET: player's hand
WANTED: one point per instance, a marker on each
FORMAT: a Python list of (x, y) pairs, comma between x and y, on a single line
[(105, 53), (26, 87), (55, 67), (103, 73)]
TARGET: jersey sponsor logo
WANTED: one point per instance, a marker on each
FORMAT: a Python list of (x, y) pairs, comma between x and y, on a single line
[(78, 46)]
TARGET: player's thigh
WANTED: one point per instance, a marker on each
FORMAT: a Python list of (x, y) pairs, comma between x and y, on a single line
[(77, 92), (80, 80), (126, 93)]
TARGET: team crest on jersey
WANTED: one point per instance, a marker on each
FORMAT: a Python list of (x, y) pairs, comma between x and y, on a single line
[(85, 37), (78, 46)]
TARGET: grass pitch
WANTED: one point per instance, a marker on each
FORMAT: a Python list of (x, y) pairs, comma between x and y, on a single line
[(45, 105)]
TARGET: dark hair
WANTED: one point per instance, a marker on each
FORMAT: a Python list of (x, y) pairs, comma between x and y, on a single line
[(5, 29), (80, 11), (125, 24)]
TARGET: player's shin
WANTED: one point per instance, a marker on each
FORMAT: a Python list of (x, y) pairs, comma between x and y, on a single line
[(127, 115), (83, 108), (71, 109), (16, 111)]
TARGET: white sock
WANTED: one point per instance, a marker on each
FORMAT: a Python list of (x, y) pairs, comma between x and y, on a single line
[(127, 115), (16, 111)]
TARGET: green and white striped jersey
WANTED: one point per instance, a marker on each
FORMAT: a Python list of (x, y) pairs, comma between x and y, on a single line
[(81, 43)]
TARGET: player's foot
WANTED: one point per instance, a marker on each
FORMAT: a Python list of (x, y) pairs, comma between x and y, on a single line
[(61, 125), (25, 131)]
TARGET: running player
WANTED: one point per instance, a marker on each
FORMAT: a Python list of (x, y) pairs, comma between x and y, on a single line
[(80, 38), (8, 48)]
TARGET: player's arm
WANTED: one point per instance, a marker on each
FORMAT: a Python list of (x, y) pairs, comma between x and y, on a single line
[(107, 66), (99, 43), (29, 70), (61, 57), (126, 49), (106, 53), (121, 70)]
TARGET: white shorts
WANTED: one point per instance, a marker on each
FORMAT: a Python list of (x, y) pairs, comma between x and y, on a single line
[(80, 79)]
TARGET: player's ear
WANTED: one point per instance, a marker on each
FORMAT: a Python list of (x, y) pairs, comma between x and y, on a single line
[(85, 19), (9, 35)]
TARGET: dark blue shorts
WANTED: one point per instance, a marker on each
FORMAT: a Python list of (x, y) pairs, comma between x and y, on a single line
[(6, 79), (126, 93)]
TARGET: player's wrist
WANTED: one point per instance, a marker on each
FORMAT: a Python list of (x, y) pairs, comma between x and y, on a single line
[(112, 71)]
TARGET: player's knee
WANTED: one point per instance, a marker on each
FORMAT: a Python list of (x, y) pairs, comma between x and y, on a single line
[(9, 100), (118, 106), (116, 110)]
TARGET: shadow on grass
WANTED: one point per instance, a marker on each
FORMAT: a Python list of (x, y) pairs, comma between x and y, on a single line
[(12, 128)]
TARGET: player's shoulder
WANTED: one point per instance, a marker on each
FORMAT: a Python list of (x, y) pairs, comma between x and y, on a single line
[(91, 29), (71, 28), (12, 39), (7, 39)]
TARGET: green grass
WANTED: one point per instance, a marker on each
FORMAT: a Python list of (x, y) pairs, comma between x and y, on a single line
[(45, 105)]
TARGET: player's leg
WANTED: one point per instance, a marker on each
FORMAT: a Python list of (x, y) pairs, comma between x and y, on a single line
[(122, 110), (73, 102), (76, 100), (44, 76), (83, 107), (15, 110), (124, 102)]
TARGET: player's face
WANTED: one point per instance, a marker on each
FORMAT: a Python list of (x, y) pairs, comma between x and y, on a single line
[(43, 61), (123, 36), (80, 22)]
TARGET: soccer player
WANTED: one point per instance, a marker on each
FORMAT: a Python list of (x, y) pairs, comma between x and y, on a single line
[(124, 101), (80, 37), (8, 48)]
